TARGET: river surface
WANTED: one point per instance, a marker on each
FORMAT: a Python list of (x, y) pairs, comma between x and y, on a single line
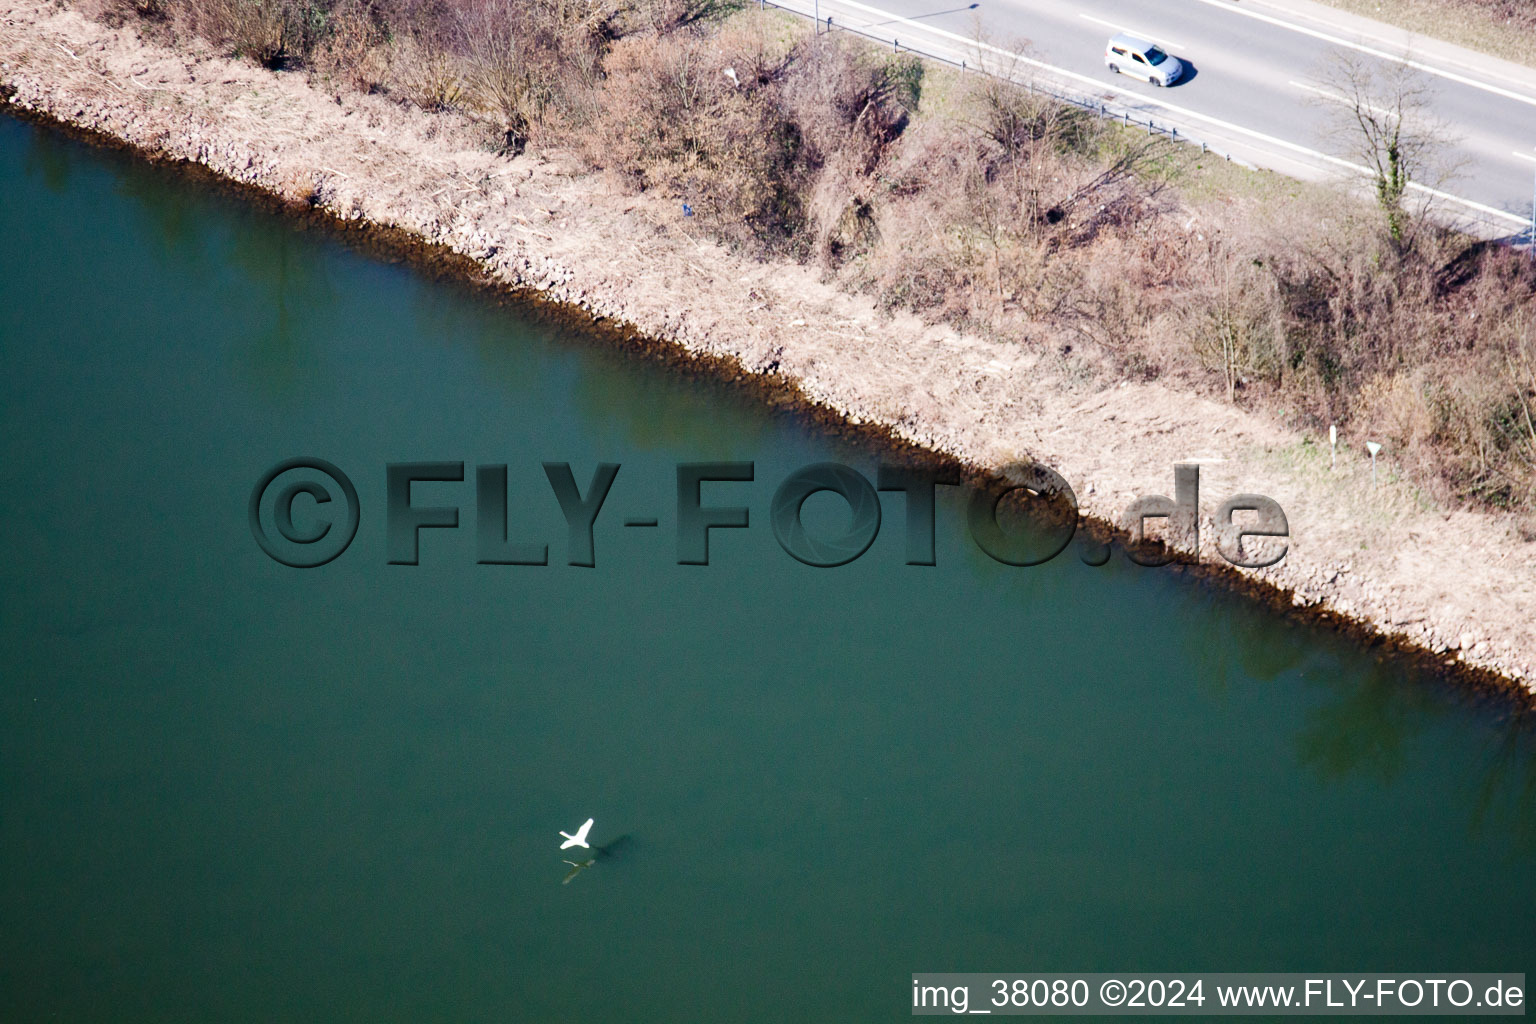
[(237, 791)]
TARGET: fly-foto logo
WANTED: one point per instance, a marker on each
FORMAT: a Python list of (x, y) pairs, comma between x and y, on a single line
[(304, 512)]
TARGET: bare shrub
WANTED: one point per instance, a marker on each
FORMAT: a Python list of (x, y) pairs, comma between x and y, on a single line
[(1236, 327), (1016, 213), (1032, 133), (674, 122), (515, 64), (849, 104), (430, 78), (1486, 441), (928, 245), (508, 65), (354, 47), (271, 32), (1432, 349)]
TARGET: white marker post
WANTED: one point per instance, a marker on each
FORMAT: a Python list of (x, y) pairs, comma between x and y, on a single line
[(1333, 447), (1374, 448)]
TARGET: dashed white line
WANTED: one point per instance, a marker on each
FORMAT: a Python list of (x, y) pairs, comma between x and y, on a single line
[(1341, 99), (1492, 211), (1169, 43), (1389, 43), (1374, 52), (1524, 156)]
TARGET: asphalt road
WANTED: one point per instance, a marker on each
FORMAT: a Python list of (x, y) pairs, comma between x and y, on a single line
[(1256, 84)]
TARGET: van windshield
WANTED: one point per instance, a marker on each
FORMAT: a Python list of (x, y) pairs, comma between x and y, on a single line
[(1156, 56)]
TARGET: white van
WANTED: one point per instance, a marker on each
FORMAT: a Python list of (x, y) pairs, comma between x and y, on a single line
[(1127, 55)]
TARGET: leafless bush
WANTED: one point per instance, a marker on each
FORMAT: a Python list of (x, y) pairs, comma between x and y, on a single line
[(1515, 13), (1018, 213), (508, 67), (772, 144), (1236, 327), (1465, 412), (270, 32), (849, 104), (354, 48), (430, 78), (673, 121)]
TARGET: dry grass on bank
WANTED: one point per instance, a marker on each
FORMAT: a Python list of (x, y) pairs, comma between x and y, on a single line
[(991, 207)]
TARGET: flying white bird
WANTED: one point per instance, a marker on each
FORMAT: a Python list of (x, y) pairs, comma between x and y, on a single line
[(579, 839)]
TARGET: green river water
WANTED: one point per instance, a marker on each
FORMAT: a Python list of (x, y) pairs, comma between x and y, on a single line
[(236, 791)]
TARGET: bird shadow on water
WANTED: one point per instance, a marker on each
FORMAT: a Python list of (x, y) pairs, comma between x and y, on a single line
[(619, 849)]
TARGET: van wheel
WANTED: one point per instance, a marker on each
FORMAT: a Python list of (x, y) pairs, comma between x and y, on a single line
[(1115, 68), (1159, 82)]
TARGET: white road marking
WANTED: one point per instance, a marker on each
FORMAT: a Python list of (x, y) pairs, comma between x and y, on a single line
[(1524, 156), (1390, 44), (1185, 111), (1492, 211), (1383, 54), (1341, 99), (1160, 40)]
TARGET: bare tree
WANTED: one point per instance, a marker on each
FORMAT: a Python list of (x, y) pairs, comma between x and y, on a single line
[(1037, 136), (1381, 114), (520, 57), (1238, 329)]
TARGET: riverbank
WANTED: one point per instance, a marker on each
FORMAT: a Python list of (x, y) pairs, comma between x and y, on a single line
[(1457, 585)]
